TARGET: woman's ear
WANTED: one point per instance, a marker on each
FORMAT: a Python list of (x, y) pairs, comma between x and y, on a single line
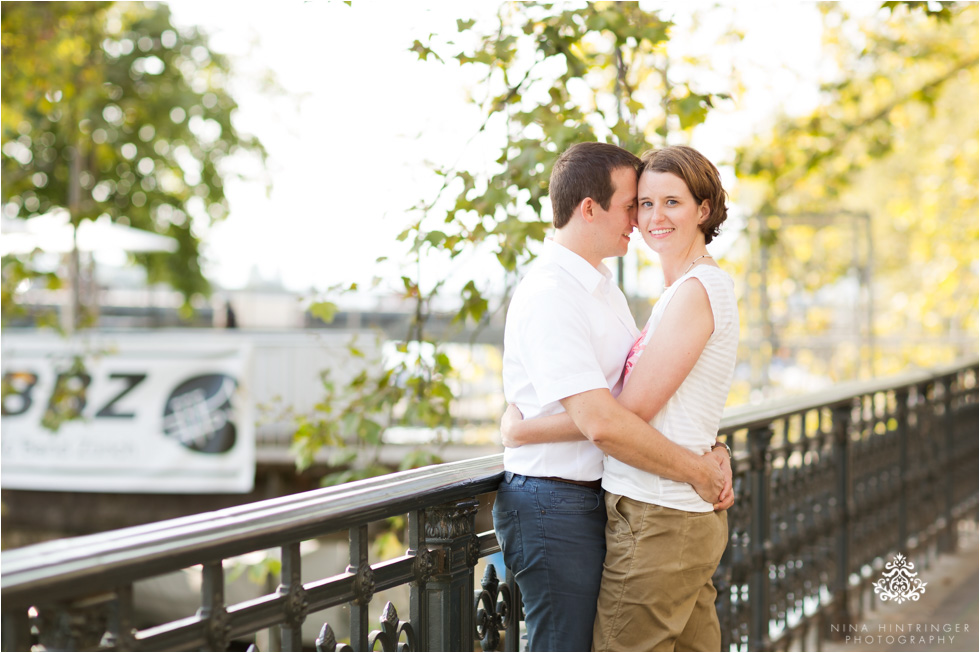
[(704, 210)]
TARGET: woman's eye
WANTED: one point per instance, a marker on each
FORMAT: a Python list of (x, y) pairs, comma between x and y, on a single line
[(646, 205)]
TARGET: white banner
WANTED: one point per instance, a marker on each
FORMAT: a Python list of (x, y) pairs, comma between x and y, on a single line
[(157, 415)]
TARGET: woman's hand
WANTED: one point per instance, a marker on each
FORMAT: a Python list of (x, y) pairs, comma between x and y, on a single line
[(510, 425), (711, 483), (727, 497)]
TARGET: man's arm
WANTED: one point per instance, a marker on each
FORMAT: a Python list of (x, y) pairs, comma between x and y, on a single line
[(515, 431), (670, 355), (626, 437)]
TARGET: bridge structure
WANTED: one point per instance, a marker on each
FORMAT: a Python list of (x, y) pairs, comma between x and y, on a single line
[(831, 488)]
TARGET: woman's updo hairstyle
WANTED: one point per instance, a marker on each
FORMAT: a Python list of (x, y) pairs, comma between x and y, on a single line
[(700, 175)]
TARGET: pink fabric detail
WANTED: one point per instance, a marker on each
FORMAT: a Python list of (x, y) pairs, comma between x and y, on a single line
[(635, 352)]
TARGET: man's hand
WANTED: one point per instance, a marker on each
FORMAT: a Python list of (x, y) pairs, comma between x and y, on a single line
[(712, 480), (727, 497), (512, 417)]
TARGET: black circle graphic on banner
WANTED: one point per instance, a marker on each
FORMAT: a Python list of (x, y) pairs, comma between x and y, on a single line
[(198, 413)]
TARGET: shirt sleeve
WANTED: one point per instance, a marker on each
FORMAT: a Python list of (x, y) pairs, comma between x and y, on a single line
[(556, 346)]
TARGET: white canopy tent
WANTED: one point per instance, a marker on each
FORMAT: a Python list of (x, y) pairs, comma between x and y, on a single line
[(102, 238), (52, 233)]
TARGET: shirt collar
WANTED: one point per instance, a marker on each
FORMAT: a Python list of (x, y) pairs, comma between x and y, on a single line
[(580, 269)]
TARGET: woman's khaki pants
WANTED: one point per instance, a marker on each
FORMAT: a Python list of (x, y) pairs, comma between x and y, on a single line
[(656, 592)]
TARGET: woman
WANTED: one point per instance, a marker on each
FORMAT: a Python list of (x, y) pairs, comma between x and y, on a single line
[(663, 541)]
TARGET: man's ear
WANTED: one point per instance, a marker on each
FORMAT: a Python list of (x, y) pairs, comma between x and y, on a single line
[(587, 206)]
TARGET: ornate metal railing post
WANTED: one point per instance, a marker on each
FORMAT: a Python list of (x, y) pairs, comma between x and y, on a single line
[(947, 534), (515, 613), (119, 630), (216, 625), (70, 625), (759, 439), (723, 584), (447, 597), (840, 589), (363, 587), (902, 433), (292, 589), (16, 630), (425, 563)]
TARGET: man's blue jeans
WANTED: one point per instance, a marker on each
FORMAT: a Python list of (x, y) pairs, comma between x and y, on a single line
[(553, 539)]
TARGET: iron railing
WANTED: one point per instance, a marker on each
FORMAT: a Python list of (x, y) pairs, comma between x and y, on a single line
[(827, 486)]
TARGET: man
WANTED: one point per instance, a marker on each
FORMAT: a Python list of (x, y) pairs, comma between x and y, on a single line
[(566, 338)]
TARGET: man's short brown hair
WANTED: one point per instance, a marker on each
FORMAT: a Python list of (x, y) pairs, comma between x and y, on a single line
[(585, 170), (700, 175)]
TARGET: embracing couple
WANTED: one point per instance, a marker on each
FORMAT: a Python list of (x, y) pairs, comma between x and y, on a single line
[(611, 513)]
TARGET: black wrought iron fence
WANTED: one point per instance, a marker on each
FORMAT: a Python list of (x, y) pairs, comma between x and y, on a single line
[(827, 486)]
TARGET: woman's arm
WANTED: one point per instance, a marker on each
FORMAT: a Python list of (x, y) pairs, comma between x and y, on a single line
[(670, 355), (671, 351)]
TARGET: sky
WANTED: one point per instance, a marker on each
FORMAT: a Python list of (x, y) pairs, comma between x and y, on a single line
[(351, 136)]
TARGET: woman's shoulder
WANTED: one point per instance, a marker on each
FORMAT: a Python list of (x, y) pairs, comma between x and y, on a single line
[(714, 279), (710, 272), (720, 288)]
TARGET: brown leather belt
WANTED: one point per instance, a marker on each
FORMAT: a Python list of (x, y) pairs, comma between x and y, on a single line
[(594, 485)]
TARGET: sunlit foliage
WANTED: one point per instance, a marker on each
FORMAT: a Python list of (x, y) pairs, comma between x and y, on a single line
[(108, 109), (865, 258), (550, 76)]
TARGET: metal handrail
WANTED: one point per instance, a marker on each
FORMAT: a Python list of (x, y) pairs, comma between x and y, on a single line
[(814, 497), (753, 415), (101, 560)]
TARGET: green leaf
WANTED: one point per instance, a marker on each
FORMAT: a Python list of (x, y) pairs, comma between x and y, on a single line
[(423, 51), (692, 110), (342, 457), (325, 311), (370, 432)]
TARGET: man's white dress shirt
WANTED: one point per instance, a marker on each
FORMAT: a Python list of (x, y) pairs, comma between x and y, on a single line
[(568, 330)]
